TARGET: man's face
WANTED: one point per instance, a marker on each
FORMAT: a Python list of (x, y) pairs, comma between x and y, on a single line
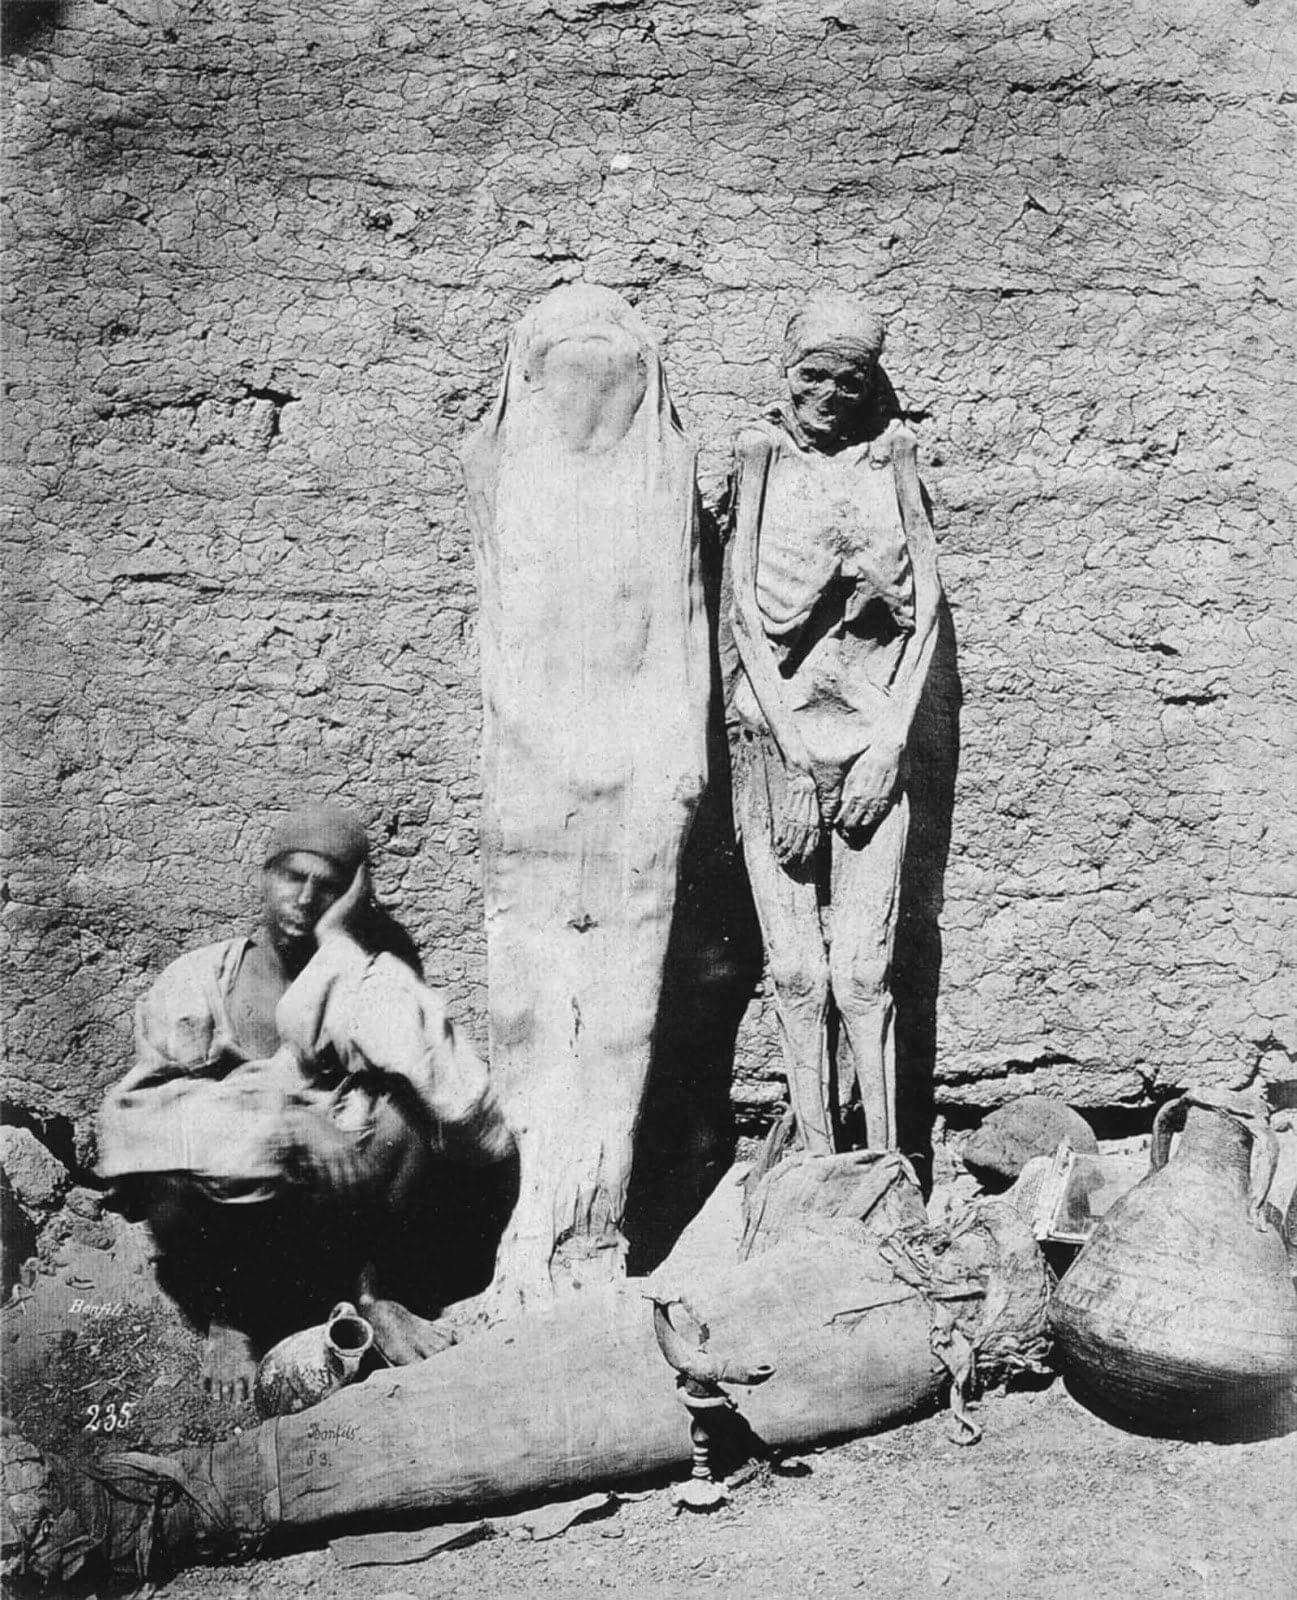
[(829, 394), (297, 889)]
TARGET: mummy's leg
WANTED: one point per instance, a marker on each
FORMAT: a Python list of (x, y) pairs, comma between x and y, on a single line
[(866, 885), (576, 978), (789, 913)]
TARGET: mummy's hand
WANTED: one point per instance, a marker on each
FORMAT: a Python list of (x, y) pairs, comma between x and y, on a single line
[(870, 788), (797, 823)]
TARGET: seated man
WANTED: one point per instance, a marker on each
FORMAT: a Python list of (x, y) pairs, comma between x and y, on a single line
[(300, 1118)]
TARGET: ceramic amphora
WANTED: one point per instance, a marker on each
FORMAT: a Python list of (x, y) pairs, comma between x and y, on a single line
[(1181, 1309), (300, 1370)]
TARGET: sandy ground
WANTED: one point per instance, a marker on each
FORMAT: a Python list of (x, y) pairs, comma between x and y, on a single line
[(1054, 1502)]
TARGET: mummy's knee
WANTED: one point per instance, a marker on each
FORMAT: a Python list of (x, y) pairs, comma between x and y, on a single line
[(863, 983), (800, 983)]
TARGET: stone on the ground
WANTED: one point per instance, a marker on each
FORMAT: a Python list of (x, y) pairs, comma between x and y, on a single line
[(86, 1204), (1022, 1130), (39, 1180)]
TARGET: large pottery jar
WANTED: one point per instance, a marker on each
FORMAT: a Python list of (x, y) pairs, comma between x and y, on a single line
[(1180, 1310)]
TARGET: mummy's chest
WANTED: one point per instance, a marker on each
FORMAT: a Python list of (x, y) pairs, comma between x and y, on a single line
[(826, 522)]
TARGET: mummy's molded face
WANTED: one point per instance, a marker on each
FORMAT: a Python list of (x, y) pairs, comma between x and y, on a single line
[(590, 382)]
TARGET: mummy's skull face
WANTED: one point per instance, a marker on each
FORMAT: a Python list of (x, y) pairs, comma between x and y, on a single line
[(830, 394)]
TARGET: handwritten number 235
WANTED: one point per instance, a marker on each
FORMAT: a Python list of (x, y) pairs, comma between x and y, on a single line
[(109, 1418)]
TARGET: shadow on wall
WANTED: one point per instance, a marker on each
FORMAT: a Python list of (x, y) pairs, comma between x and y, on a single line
[(934, 765), (685, 1143)]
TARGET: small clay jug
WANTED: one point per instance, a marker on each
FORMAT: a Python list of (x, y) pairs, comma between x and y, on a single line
[(300, 1370), (1180, 1309)]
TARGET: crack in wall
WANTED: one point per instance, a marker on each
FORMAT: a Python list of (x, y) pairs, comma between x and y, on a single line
[(260, 287)]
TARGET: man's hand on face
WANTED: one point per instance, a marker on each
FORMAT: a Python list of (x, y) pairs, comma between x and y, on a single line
[(344, 915)]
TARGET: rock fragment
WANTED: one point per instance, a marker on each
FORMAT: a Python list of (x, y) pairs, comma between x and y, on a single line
[(38, 1179), (1029, 1127)]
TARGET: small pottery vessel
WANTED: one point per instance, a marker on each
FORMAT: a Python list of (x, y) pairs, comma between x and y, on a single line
[(1181, 1308), (300, 1370)]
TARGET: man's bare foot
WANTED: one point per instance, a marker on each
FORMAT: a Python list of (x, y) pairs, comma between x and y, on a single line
[(400, 1337), (229, 1365)]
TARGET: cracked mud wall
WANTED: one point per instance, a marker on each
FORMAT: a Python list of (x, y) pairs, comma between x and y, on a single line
[(261, 262)]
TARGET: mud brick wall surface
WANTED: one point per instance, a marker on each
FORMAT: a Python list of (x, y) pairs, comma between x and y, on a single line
[(261, 263)]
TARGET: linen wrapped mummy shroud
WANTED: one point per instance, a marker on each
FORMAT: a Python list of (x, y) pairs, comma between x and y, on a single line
[(595, 681)]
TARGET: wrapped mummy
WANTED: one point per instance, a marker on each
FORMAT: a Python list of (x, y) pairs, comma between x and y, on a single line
[(595, 683), (834, 1289)]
